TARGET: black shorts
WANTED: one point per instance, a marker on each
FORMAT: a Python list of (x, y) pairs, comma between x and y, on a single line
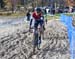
[(38, 22)]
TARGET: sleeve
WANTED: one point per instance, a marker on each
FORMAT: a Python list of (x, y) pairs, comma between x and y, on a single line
[(34, 15), (31, 22)]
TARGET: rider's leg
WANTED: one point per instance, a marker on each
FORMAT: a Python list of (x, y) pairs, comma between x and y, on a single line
[(42, 24), (39, 42), (42, 28)]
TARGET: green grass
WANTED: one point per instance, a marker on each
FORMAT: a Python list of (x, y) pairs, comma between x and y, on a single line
[(56, 16), (69, 14), (12, 14)]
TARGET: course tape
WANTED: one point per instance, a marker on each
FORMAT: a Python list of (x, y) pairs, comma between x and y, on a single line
[(67, 21)]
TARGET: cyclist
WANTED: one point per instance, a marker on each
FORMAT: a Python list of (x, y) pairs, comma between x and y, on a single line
[(28, 15), (38, 20)]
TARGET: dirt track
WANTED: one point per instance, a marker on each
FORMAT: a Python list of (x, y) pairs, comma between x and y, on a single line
[(18, 43)]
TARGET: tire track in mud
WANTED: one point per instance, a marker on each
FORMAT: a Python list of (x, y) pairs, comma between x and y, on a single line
[(19, 45)]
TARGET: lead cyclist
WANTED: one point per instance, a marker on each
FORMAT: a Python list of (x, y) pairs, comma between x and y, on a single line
[(37, 19)]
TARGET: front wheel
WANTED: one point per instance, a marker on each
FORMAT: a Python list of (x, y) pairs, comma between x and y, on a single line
[(42, 32), (37, 41)]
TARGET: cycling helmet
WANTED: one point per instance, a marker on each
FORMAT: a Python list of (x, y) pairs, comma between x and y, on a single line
[(38, 10)]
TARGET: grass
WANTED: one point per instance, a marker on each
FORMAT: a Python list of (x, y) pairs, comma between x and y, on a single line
[(6, 14), (18, 14), (48, 17), (56, 16), (70, 14)]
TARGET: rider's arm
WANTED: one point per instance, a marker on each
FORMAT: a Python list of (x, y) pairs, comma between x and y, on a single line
[(33, 16), (45, 18), (31, 22)]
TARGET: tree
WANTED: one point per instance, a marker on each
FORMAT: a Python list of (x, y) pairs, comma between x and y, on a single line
[(7, 3), (1, 4), (70, 2)]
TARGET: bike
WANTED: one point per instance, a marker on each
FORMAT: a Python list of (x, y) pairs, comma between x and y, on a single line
[(38, 36)]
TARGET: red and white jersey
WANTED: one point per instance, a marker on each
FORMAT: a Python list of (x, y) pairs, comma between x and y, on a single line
[(36, 16)]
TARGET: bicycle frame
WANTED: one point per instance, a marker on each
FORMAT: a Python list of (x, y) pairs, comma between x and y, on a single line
[(37, 37)]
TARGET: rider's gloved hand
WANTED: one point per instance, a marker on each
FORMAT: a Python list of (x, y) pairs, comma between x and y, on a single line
[(30, 29)]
